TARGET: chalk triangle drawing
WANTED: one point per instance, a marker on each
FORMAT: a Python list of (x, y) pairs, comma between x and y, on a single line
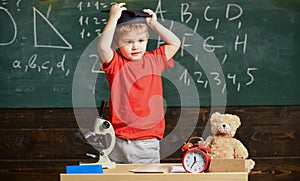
[(66, 44)]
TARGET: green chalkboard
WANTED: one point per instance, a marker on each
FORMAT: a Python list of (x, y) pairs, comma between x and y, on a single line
[(234, 52)]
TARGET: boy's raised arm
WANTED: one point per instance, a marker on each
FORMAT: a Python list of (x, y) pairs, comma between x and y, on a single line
[(106, 38), (171, 40)]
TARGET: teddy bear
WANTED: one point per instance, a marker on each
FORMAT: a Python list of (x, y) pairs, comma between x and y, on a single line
[(222, 142)]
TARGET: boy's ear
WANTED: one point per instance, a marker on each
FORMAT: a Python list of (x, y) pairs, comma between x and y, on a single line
[(115, 45)]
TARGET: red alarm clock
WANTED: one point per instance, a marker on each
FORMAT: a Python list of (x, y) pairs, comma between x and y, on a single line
[(195, 158)]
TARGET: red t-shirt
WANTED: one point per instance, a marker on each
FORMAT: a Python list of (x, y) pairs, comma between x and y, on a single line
[(136, 99)]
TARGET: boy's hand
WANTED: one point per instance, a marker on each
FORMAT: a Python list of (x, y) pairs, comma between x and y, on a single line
[(116, 10), (150, 20), (172, 42)]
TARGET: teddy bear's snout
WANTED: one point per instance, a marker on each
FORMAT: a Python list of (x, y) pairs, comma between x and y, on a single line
[(224, 128)]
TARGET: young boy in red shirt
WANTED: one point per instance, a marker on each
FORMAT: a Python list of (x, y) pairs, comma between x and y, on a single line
[(134, 77)]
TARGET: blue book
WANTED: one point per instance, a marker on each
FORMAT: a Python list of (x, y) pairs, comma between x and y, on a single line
[(84, 169)]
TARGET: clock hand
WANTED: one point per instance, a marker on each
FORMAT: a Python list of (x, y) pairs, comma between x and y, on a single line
[(193, 165), (195, 161)]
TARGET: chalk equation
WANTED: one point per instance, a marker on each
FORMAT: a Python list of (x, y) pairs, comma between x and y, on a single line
[(88, 22)]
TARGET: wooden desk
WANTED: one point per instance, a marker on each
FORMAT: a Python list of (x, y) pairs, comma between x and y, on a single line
[(122, 172)]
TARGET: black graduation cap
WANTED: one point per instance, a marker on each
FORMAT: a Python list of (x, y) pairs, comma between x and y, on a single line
[(132, 17)]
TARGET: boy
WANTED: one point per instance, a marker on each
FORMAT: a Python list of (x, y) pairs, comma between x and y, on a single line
[(134, 77)]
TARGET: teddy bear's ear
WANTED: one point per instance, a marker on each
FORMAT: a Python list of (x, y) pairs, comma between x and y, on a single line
[(215, 116), (236, 121)]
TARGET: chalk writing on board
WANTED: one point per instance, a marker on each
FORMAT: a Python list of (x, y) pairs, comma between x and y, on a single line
[(8, 42), (96, 66), (87, 22), (233, 12), (200, 79), (36, 40), (33, 63), (97, 5)]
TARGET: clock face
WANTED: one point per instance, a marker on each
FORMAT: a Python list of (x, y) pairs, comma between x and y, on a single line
[(194, 161)]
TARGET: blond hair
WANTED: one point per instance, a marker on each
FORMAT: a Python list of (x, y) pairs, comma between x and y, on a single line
[(138, 28)]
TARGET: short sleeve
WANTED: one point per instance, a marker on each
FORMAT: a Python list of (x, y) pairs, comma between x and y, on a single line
[(108, 67), (160, 58)]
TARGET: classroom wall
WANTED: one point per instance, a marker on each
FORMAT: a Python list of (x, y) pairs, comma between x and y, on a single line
[(37, 144)]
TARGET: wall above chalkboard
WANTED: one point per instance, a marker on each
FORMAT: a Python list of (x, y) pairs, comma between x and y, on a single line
[(234, 52)]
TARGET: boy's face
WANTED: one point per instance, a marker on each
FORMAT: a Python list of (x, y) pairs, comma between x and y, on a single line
[(132, 45)]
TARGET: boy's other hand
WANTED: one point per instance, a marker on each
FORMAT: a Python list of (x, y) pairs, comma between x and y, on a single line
[(116, 10), (150, 20)]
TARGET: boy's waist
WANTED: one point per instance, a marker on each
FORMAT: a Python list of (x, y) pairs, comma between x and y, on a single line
[(138, 140), (129, 134)]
